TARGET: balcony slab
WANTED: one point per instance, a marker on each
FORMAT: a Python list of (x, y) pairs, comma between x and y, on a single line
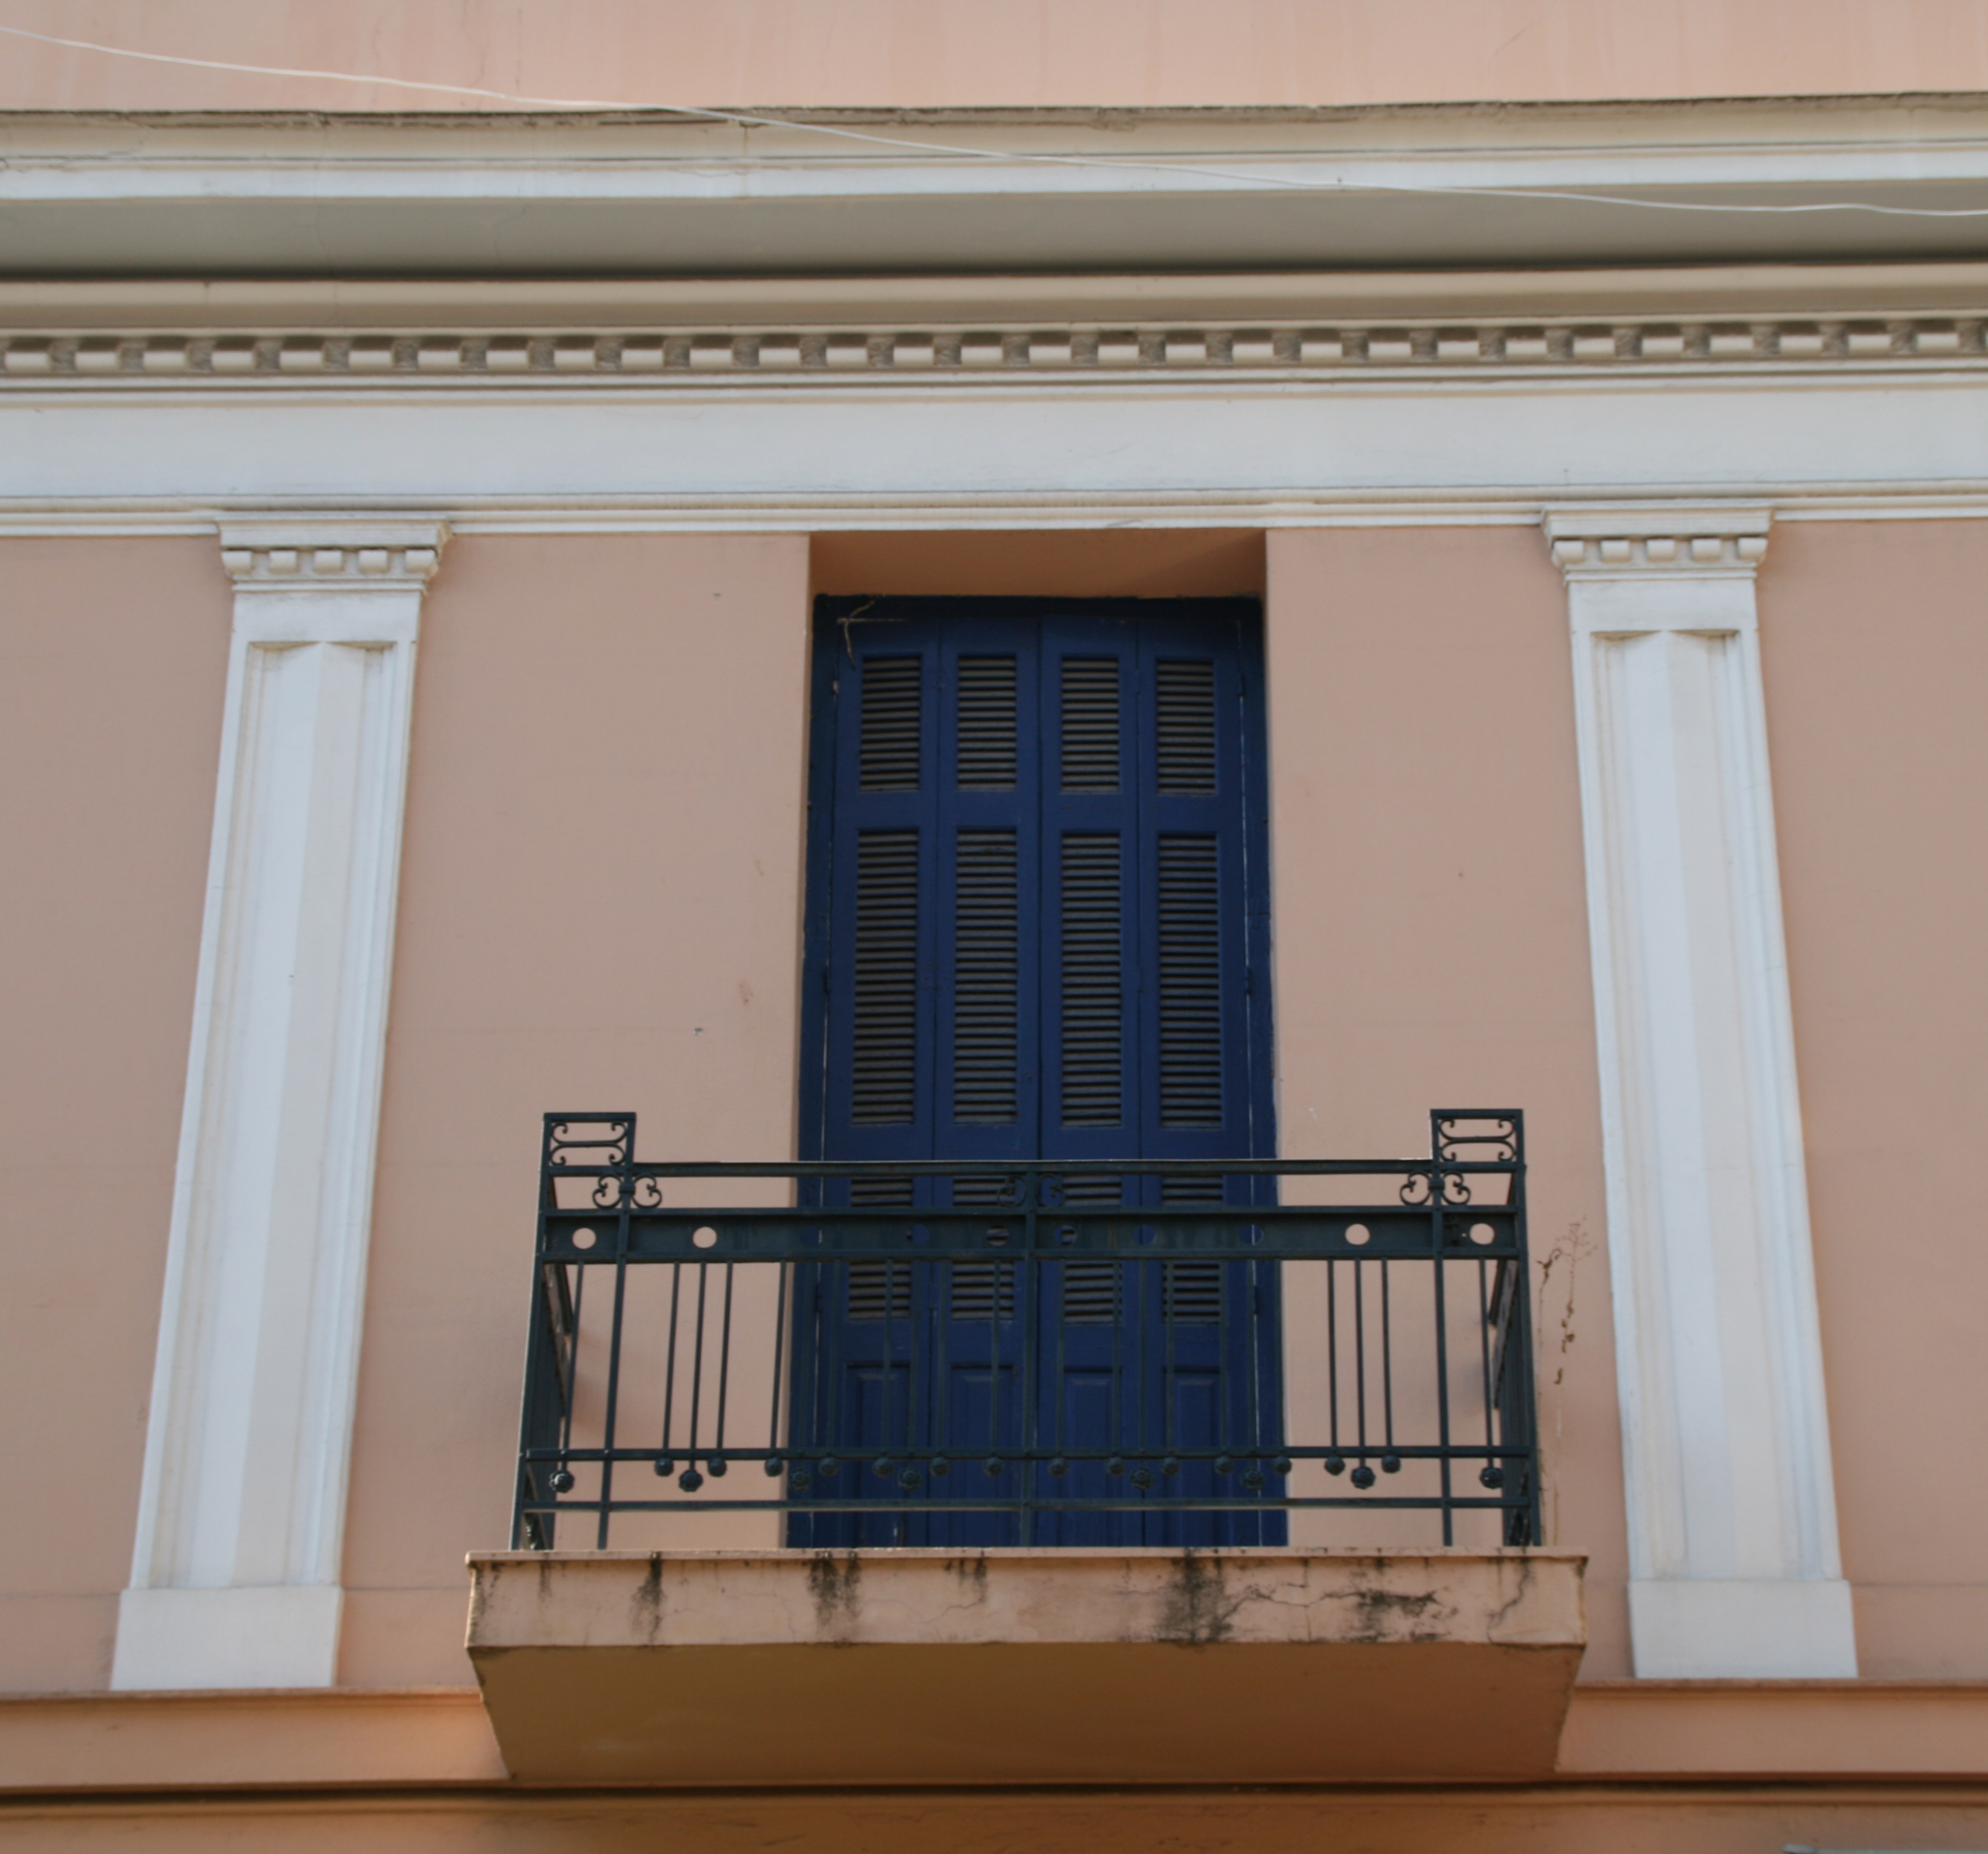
[(1038, 1666)]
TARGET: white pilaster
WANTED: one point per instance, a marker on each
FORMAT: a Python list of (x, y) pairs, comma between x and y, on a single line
[(1734, 1567), (234, 1579)]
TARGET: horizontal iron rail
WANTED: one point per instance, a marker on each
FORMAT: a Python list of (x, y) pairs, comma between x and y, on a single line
[(1460, 1503), (984, 1168)]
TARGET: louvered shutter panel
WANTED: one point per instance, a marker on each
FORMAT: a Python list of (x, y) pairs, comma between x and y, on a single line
[(879, 927), (1197, 921), (985, 976), (882, 1088), (1090, 803)]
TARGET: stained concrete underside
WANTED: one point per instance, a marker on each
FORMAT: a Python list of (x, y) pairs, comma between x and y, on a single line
[(936, 1666)]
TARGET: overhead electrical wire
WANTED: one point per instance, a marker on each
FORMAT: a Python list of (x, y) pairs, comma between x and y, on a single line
[(1233, 176)]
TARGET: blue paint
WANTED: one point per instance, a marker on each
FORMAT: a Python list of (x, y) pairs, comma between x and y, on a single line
[(866, 1384)]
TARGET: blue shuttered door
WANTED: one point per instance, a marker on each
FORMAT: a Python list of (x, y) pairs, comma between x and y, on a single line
[(1036, 929)]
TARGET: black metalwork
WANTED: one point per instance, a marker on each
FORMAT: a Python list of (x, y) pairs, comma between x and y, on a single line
[(1407, 1345)]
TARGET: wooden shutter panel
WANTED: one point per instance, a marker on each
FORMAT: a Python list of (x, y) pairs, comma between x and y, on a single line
[(1191, 1001), (1088, 753), (984, 971), (986, 724), (1090, 945), (883, 1085), (986, 974), (893, 730), (1184, 728)]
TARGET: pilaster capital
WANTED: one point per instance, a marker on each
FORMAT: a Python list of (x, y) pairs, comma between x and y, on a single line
[(331, 553), (1647, 541)]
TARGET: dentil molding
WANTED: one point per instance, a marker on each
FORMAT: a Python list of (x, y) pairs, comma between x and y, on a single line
[(331, 556), (140, 357), (1638, 544)]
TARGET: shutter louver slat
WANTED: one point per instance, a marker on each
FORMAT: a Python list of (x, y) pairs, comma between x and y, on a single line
[(983, 1290), (1090, 1293), (1094, 1026), (1087, 1190), (879, 1193), (883, 1085), (880, 1291), (986, 979), (1190, 983), (1186, 730), (986, 727), (1090, 735), (888, 750), (1193, 1291)]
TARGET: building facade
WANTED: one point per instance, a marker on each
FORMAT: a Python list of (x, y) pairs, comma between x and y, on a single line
[(1046, 637)]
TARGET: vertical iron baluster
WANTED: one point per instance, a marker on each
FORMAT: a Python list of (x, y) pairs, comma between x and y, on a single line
[(670, 1362), (1058, 1386), (1150, 1276), (1484, 1317), (820, 1315), (917, 1313), (1115, 1431), (779, 1346), (1251, 1310), (835, 1317), (607, 1429), (1332, 1344), (1386, 1364), (941, 1426), (1167, 1300), (1225, 1388), (1533, 1517), (1438, 1190), (1359, 1351), (724, 1369), (572, 1400), (889, 1363), (1024, 1304), (697, 1372), (994, 1362), (896, 1522)]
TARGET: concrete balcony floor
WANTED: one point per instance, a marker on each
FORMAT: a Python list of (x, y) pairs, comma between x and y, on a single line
[(1038, 1666)]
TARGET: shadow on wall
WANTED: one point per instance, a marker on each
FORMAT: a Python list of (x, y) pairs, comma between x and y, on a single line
[(1093, 564)]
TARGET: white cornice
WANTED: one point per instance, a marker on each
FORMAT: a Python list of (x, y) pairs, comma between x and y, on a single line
[(989, 192), (93, 519), (277, 307)]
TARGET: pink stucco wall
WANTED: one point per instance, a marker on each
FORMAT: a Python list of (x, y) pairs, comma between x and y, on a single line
[(599, 906), (1431, 925), (113, 660), (937, 54), (1875, 657)]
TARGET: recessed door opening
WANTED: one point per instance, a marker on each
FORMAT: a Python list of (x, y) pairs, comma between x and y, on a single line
[(1037, 930)]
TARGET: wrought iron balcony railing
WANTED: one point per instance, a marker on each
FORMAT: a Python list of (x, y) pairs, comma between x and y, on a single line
[(1160, 1352)]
